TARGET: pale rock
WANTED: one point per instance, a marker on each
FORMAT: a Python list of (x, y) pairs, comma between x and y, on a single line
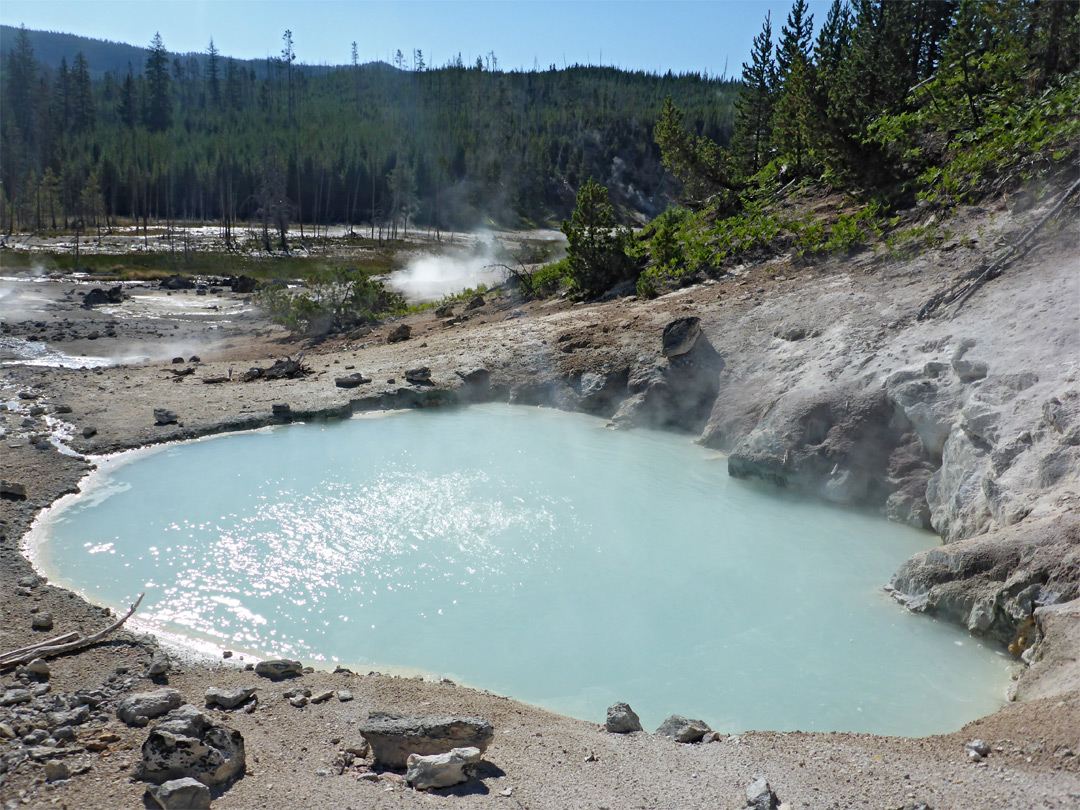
[(136, 709), (56, 769), (39, 667), (441, 770), (393, 737), (181, 794), (321, 697), (760, 796), (43, 621), (344, 695)]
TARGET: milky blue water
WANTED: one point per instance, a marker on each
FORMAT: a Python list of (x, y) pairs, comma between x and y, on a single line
[(534, 553)]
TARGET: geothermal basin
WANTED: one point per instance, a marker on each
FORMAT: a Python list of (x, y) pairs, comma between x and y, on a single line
[(531, 552)]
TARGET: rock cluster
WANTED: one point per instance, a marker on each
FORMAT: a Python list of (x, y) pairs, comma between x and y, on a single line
[(393, 737)]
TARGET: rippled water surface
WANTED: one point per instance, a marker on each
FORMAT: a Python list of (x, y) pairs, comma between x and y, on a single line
[(530, 552)]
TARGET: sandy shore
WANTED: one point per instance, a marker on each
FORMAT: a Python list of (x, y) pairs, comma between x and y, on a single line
[(538, 759)]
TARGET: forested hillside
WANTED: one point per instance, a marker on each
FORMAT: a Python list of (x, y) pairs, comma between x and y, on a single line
[(212, 139), (888, 109)]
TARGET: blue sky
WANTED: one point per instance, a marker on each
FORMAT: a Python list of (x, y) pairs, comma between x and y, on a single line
[(677, 35)]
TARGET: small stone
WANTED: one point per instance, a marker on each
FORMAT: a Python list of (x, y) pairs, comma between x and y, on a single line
[(89, 432), (62, 409), (299, 701), (56, 769), (13, 696), (280, 409), (421, 375), (194, 359), (441, 770), (43, 621), (621, 719), (279, 668), (399, 333), (977, 750), (712, 736), (320, 697), (683, 730), (75, 717), (228, 698), (39, 667), (760, 796), (227, 654), (181, 794), (177, 360), (163, 416), (159, 665), (7, 732), (359, 750), (344, 695), (351, 380)]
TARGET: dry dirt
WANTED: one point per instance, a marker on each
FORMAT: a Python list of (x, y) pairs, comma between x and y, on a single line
[(538, 759)]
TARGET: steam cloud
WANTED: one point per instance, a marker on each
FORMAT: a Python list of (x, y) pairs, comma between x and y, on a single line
[(433, 277)]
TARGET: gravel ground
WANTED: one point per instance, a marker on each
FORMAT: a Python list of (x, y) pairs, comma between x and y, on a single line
[(538, 759)]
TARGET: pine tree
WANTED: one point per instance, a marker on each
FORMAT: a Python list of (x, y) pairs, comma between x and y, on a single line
[(794, 39), (159, 93), (596, 249), (82, 94), (213, 80), (20, 92), (754, 106)]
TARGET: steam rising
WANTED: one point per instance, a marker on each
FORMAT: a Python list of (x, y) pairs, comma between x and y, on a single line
[(432, 277)]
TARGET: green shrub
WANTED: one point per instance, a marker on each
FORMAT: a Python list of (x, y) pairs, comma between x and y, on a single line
[(333, 300)]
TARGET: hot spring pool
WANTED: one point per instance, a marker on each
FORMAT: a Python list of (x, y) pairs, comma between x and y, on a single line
[(531, 552)]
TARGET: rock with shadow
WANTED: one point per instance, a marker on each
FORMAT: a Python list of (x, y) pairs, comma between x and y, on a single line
[(679, 390), (394, 737)]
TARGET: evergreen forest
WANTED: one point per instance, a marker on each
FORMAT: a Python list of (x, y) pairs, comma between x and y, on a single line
[(202, 137)]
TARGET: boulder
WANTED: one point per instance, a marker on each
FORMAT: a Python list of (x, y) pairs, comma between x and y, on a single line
[(277, 669), (228, 698), (177, 282), (243, 284), (759, 796), (680, 336), (399, 333), (475, 302), (163, 416), (621, 719), (683, 730), (42, 621), (441, 770), (187, 743), (393, 737), (95, 297), (181, 794), (138, 708), (418, 376)]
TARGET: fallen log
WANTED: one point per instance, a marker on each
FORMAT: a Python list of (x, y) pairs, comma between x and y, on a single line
[(49, 650), (50, 642), (968, 284)]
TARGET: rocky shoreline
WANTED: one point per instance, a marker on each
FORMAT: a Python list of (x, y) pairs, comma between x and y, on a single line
[(818, 378)]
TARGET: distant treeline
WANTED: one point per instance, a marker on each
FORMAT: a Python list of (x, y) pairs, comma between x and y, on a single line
[(213, 139)]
